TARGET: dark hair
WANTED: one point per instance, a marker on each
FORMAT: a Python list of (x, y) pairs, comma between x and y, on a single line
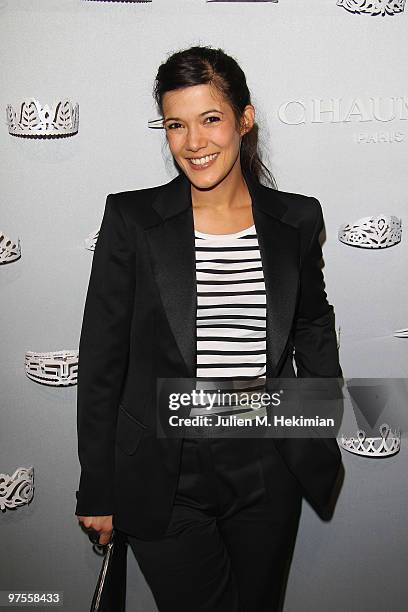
[(200, 65)]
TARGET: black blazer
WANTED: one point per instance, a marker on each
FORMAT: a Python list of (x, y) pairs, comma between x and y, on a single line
[(139, 323)]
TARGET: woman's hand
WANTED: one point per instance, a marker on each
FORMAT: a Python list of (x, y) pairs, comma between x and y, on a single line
[(101, 524)]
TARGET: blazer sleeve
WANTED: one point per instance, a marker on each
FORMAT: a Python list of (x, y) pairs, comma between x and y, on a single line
[(103, 359), (315, 340)]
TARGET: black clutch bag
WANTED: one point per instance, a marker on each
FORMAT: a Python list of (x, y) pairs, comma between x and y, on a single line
[(110, 591)]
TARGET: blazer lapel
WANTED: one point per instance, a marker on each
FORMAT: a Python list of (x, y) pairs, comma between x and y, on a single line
[(172, 246)]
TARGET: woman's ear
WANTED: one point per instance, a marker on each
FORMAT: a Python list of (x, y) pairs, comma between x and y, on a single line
[(247, 119)]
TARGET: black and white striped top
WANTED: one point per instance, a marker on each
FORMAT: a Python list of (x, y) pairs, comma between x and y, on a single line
[(231, 312)]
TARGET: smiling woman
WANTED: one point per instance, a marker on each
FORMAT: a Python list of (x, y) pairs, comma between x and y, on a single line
[(206, 143), (216, 277), (211, 131)]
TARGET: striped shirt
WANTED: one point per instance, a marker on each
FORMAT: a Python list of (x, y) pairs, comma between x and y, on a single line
[(231, 317)]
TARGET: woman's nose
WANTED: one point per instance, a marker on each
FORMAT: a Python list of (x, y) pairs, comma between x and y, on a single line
[(195, 140)]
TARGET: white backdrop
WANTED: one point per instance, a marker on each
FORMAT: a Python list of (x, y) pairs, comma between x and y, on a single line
[(296, 55)]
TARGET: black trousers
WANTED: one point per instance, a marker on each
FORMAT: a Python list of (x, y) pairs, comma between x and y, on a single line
[(232, 531)]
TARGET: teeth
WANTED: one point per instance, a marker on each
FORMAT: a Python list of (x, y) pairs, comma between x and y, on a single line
[(203, 160)]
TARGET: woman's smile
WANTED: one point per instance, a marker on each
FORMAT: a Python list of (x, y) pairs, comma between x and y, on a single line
[(201, 163)]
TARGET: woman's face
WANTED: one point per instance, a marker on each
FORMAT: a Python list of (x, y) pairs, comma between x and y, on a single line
[(200, 123)]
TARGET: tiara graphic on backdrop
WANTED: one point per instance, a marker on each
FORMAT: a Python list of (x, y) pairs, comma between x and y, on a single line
[(17, 489), (9, 250), (36, 121), (388, 444), (401, 333), (91, 239), (372, 232), (156, 124), (122, 1), (56, 368), (275, 1), (373, 7), (338, 333)]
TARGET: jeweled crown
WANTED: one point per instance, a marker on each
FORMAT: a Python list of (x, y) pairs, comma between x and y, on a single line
[(56, 368), (9, 250), (373, 7), (384, 446), (372, 232), (35, 121)]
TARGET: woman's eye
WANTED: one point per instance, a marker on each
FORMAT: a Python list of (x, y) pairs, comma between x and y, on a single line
[(175, 126)]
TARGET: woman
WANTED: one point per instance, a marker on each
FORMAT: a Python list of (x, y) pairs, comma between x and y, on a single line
[(216, 277)]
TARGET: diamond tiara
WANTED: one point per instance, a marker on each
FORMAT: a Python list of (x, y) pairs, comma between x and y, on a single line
[(384, 446), (9, 250), (91, 240), (57, 368), (276, 1), (374, 7), (123, 1), (37, 121), (372, 232), (17, 489)]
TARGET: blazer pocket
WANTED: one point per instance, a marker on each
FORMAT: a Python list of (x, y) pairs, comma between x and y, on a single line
[(129, 431)]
